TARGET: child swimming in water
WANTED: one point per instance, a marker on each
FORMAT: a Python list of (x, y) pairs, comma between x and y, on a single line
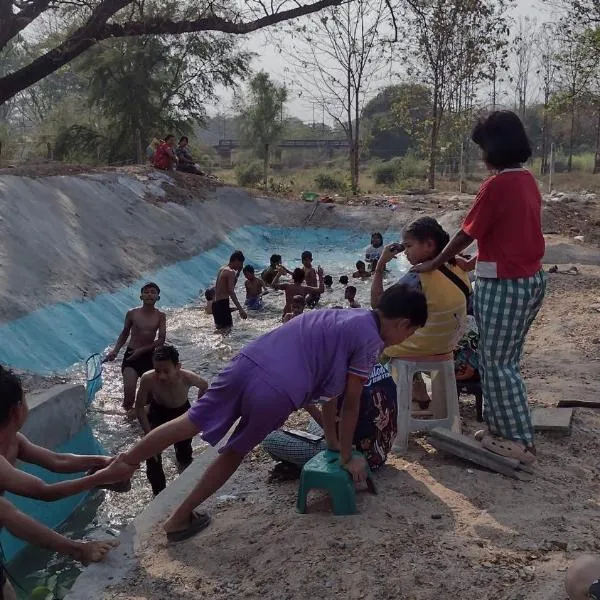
[(344, 280), (328, 281), (297, 287), (298, 304), (255, 288), (373, 252), (209, 296), (361, 271), (350, 295)]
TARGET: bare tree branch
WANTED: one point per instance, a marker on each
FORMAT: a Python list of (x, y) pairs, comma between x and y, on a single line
[(97, 28)]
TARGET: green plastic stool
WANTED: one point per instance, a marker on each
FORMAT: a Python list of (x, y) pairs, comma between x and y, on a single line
[(324, 472)]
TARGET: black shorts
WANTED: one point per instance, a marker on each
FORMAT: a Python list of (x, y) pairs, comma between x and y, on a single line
[(222, 314), (142, 364), (159, 415)]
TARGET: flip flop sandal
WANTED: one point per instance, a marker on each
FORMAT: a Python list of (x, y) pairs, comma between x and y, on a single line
[(572, 271), (198, 522), (553, 269), (508, 449)]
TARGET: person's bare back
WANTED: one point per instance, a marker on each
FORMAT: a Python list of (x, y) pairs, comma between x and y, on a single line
[(172, 394), (226, 279), (254, 288)]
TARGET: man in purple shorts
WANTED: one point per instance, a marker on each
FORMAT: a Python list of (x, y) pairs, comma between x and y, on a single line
[(317, 356)]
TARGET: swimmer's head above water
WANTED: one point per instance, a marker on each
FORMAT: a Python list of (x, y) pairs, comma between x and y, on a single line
[(350, 293), (328, 281), (236, 260), (248, 272), (298, 305), (165, 360), (209, 294), (298, 275), (376, 240), (275, 260), (344, 280), (150, 293), (307, 259)]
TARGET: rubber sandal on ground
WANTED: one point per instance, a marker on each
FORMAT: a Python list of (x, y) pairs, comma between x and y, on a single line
[(198, 522), (508, 449)]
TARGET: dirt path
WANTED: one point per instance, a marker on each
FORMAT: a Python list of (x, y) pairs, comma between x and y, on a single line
[(439, 528)]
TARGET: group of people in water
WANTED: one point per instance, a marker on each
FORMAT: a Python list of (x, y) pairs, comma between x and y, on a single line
[(329, 361)]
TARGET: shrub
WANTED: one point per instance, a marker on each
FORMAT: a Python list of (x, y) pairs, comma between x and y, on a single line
[(249, 174), (330, 182), (388, 172), (413, 167)]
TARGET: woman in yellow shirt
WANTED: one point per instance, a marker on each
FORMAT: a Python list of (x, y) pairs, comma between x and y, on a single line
[(445, 289)]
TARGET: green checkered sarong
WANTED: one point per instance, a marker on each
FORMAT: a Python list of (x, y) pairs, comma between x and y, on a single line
[(504, 310)]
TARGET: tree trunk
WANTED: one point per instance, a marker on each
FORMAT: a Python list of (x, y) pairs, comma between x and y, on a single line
[(266, 164), (597, 154), (544, 165), (571, 138), (356, 182)]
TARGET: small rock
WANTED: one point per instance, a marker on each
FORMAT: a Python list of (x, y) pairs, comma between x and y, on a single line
[(436, 516)]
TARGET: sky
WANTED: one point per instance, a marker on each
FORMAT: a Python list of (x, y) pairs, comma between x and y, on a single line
[(269, 60)]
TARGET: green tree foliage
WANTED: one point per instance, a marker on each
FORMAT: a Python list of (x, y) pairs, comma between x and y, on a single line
[(262, 117), (156, 85), (399, 117)]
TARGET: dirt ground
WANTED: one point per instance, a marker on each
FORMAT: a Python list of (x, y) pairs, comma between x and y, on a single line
[(439, 527)]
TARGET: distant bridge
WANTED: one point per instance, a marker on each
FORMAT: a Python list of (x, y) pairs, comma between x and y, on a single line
[(226, 146)]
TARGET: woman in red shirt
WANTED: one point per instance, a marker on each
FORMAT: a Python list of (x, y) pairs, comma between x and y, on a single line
[(164, 157), (505, 219)]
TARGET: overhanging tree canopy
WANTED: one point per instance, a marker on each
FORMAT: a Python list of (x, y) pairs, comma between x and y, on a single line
[(87, 22)]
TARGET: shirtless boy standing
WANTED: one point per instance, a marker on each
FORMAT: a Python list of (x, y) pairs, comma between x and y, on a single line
[(165, 392), (15, 446), (310, 276), (143, 324), (255, 288), (225, 289), (297, 287)]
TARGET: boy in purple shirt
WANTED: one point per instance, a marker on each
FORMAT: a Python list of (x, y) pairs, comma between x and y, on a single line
[(317, 356)]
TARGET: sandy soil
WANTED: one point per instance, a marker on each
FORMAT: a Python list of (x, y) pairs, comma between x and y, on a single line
[(439, 528)]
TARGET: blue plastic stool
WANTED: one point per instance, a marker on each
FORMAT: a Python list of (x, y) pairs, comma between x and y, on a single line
[(324, 472)]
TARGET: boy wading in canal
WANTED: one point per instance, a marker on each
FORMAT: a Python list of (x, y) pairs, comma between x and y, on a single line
[(146, 329), (316, 357), (165, 392), (15, 446), (224, 289)]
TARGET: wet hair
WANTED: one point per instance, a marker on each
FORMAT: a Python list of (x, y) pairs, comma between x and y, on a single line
[(360, 265), (298, 300), (166, 352), (11, 393), (344, 280), (402, 302), (169, 136), (427, 228), (351, 291), (237, 256), (376, 234), (502, 138), (328, 280), (150, 285), (298, 275), (184, 138), (306, 255), (209, 294), (275, 259), (248, 269)]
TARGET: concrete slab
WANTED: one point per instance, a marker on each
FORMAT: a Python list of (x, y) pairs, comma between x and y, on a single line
[(56, 415), (480, 457), (552, 419)]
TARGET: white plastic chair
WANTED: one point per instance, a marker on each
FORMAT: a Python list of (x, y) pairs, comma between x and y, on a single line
[(444, 398)]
